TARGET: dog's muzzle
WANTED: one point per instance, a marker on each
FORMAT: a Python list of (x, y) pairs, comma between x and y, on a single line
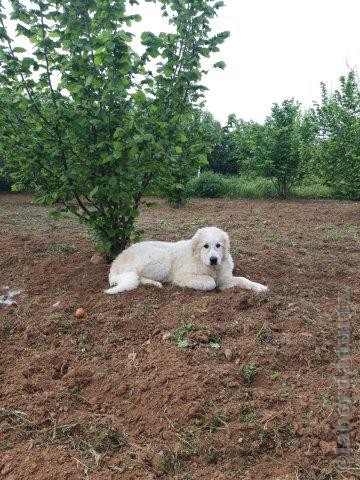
[(213, 260)]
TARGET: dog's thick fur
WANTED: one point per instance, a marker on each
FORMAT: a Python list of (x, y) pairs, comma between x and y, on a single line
[(202, 263)]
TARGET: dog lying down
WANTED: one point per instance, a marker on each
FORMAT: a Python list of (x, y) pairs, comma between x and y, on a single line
[(202, 263)]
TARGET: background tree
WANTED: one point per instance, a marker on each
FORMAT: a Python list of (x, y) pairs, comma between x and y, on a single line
[(273, 150), (95, 140), (337, 157), (222, 158), (250, 146)]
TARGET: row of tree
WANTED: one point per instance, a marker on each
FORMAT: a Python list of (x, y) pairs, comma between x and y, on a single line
[(323, 142)]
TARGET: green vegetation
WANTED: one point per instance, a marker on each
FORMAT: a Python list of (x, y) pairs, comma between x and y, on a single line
[(112, 125), (212, 185), (249, 373), (337, 155), (273, 150), (190, 335)]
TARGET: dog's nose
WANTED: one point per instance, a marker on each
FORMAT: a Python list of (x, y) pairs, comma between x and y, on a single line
[(213, 260)]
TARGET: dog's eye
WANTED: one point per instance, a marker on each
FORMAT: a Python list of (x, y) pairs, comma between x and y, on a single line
[(206, 245), (218, 245)]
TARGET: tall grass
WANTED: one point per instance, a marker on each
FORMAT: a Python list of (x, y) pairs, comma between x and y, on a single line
[(241, 187), (212, 185), (314, 190)]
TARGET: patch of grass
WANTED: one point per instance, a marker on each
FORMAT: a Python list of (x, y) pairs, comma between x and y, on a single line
[(61, 248), (5, 446), (57, 324), (313, 190), (167, 464), (249, 373), (326, 399), (105, 438), (91, 442), (276, 438), (188, 451), (276, 376), (163, 223), (349, 232), (189, 335), (246, 414), (264, 335), (60, 431), (216, 422), (326, 473), (319, 359), (243, 187), (284, 394), (308, 320), (212, 455), (16, 420)]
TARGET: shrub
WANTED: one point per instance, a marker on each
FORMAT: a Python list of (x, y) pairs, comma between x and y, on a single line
[(209, 185)]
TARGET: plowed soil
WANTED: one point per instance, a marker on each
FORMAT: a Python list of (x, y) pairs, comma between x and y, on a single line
[(112, 396)]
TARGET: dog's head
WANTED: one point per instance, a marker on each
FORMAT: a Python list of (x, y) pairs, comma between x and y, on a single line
[(210, 244)]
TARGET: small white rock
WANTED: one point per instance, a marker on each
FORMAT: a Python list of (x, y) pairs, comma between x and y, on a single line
[(166, 336), (132, 356), (228, 353), (98, 259)]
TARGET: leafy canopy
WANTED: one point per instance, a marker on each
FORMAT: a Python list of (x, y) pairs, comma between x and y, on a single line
[(86, 121), (274, 150), (336, 158)]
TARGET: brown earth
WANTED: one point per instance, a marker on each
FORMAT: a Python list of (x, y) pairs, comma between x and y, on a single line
[(110, 395)]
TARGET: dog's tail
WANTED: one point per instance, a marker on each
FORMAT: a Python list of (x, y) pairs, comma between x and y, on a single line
[(123, 282)]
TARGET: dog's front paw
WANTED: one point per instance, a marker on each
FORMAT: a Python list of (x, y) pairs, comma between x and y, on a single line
[(257, 287)]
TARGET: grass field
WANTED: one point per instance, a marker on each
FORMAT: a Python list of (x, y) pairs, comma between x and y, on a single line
[(237, 187), (176, 383)]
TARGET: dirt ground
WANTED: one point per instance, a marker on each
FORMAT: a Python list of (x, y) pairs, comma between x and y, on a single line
[(113, 396)]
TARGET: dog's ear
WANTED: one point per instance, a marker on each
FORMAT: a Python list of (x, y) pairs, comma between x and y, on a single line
[(195, 243), (226, 244)]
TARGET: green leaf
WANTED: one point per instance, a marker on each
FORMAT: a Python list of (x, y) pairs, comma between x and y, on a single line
[(183, 344), (221, 65), (98, 60), (89, 80), (202, 159), (94, 191)]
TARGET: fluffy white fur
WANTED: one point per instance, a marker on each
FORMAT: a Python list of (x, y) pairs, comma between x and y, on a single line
[(202, 263)]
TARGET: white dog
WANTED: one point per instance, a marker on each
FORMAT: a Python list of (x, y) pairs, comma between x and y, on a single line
[(202, 263)]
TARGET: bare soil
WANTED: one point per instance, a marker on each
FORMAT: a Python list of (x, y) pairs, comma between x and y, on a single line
[(112, 396)]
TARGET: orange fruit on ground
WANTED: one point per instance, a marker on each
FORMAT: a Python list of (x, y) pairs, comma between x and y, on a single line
[(80, 312)]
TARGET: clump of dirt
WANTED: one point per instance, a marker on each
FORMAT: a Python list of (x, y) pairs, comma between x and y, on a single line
[(112, 394)]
